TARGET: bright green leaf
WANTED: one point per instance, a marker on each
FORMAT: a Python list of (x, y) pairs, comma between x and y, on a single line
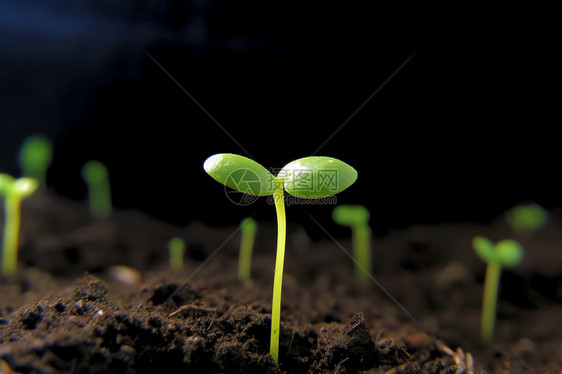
[(25, 187), (484, 248), (240, 173), (316, 177), (21, 187), (508, 253), (6, 182)]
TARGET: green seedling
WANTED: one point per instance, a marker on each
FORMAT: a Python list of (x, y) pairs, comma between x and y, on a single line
[(505, 253), (35, 156), (13, 191), (527, 217), (248, 226), (96, 176), (308, 178), (357, 217), (176, 248)]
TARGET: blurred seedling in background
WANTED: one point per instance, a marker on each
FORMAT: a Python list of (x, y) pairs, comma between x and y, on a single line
[(308, 178), (96, 176), (13, 191), (176, 249), (527, 218), (505, 253), (357, 217), (248, 227), (35, 156)]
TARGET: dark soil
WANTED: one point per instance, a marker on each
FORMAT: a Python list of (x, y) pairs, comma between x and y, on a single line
[(97, 297)]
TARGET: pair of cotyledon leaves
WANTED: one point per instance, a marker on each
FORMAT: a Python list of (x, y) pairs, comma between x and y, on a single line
[(505, 252), (309, 177), (21, 187)]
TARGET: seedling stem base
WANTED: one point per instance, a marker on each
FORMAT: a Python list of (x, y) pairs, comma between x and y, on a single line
[(489, 301), (11, 235), (278, 196)]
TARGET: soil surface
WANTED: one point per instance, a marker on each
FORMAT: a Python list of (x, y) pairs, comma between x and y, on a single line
[(98, 297)]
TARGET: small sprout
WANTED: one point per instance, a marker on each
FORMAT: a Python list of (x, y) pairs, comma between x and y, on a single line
[(13, 191), (96, 176), (248, 226), (505, 253), (301, 178), (35, 156), (357, 217), (176, 248), (527, 217)]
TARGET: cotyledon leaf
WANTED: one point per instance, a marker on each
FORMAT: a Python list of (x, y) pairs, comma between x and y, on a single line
[(317, 177), (484, 248), (240, 173), (508, 252)]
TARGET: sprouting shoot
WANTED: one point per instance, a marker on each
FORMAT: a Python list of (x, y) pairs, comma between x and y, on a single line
[(245, 175)]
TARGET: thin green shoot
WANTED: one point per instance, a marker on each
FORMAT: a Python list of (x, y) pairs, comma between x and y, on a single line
[(305, 178), (248, 227), (279, 198), (96, 176), (176, 250), (505, 253), (13, 191), (357, 217), (35, 157)]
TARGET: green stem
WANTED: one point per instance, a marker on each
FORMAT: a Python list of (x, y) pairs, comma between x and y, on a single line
[(278, 277), (491, 284), (100, 199), (12, 218), (245, 257), (176, 249), (361, 237)]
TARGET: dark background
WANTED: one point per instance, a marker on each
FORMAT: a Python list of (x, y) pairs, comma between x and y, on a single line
[(462, 132)]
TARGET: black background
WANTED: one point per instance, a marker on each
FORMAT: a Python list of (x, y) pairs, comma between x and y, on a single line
[(464, 130)]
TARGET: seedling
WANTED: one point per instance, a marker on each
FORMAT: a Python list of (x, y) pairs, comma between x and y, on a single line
[(35, 156), (248, 226), (505, 253), (14, 191), (96, 176), (527, 217), (176, 249), (357, 217), (309, 177)]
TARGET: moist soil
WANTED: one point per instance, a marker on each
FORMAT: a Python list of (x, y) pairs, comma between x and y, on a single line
[(98, 297)]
